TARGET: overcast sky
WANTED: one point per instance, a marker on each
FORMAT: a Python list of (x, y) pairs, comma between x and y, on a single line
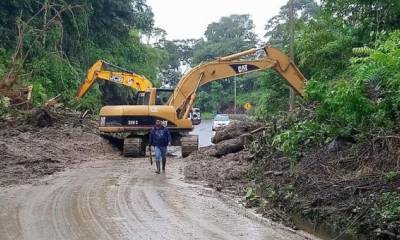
[(189, 18)]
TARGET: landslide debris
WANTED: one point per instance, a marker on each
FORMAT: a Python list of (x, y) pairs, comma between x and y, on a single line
[(225, 174), (40, 117), (45, 142), (345, 189), (224, 165), (341, 185)]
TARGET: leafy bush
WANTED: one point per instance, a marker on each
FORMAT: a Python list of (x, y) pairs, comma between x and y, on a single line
[(388, 207), (252, 198), (308, 132), (366, 102), (391, 176), (4, 105), (4, 62)]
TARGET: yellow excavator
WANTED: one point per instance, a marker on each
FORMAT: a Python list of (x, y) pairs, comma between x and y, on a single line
[(124, 77), (174, 106)]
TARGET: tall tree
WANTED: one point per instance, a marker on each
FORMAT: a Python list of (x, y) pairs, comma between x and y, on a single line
[(177, 54), (369, 18), (278, 28), (229, 35), (112, 19)]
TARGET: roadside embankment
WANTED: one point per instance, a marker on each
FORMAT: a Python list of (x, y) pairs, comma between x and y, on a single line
[(344, 189)]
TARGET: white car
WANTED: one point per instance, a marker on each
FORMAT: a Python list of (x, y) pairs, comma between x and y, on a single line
[(220, 120), (195, 115)]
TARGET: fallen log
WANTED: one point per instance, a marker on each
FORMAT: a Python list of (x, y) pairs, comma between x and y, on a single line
[(231, 145), (54, 102), (234, 130), (228, 146)]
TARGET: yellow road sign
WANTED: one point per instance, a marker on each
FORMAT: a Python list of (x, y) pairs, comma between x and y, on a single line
[(247, 106)]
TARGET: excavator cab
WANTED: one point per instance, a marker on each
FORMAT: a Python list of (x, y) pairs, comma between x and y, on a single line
[(154, 96), (143, 98), (160, 97)]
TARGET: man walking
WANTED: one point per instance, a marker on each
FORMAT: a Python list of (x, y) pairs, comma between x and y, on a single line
[(160, 138)]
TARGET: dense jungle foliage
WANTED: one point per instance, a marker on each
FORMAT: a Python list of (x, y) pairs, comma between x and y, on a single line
[(51, 43)]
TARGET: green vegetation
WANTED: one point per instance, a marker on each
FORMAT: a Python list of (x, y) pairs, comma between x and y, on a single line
[(362, 101), (388, 207), (391, 176), (251, 197), (50, 45), (4, 105)]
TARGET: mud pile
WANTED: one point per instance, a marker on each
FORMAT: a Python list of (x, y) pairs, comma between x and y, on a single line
[(225, 174), (346, 189), (223, 166), (45, 142)]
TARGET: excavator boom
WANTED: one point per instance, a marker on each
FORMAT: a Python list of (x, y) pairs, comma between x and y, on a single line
[(125, 77), (234, 65)]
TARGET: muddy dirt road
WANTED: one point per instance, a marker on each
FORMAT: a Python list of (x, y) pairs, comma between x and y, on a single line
[(119, 198)]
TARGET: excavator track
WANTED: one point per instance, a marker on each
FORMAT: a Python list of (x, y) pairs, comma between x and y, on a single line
[(134, 147), (189, 144)]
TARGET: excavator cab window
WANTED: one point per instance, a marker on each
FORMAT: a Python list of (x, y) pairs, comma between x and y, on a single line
[(143, 98), (163, 95)]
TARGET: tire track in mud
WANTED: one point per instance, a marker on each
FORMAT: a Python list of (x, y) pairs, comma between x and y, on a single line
[(134, 223), (123, 199), (65, 212), (10, 227)]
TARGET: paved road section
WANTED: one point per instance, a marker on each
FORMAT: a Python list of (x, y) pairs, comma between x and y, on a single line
[(204, 130)]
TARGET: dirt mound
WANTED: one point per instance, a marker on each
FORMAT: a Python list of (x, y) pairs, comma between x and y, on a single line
[(40, 117), (224, 174), (50, 143), (223, 165)]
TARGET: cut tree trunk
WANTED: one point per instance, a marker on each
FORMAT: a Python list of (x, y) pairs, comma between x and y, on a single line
[(234, 130)]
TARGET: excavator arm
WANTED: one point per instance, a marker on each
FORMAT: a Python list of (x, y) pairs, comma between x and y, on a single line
[(125, 77), (234, 65)]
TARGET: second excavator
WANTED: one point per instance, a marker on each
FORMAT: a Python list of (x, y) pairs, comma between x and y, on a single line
[(122, 76), (174, 106)]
